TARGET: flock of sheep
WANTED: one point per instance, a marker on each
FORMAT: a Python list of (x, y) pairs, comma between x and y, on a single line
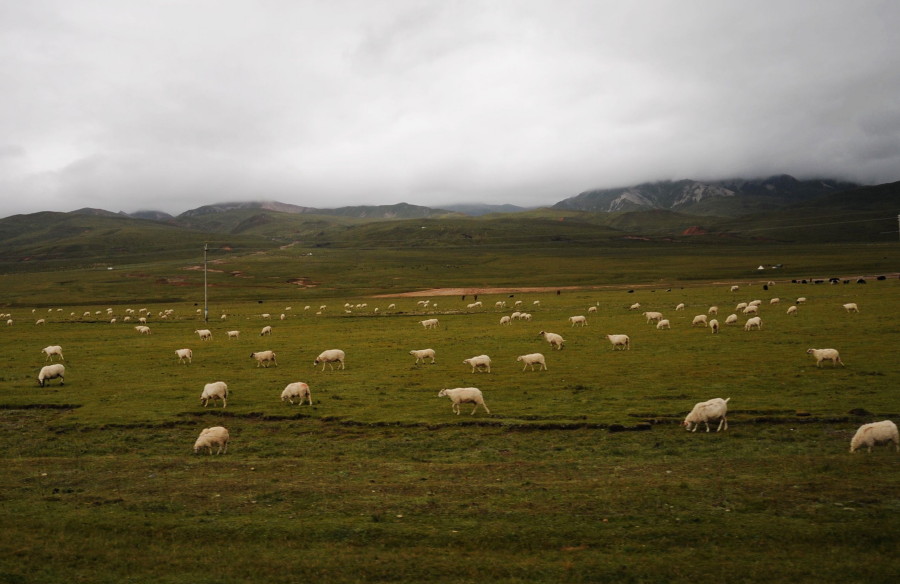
[(711, 411)]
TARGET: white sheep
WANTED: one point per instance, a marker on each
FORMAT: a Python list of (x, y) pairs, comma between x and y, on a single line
[(297, 389), (330, 356), (142, 329), (751, 309), (735, 288), (49, 372), (663, 324), (505, 320), (679, 306), (592, 309), (851, 307), (774, 301), (209, 437), (754, 303), (233, 334), (731, 319), (801, 300), (478, 362), (205, 334), (532, 359), (40, 321), (699, 319), (213, 391), (706, 412), (620, 341), (868, 435), (826, 355), (752, 323), (9, 322), (740, 306), (555, 340), (429, 323), (264, 357), (792, 310), (634, 306), (422, 354), (465, 395), (580, 319), (266, 330), (52, 350), (183, 354), (713, 310), (714, 326), (651, 316)]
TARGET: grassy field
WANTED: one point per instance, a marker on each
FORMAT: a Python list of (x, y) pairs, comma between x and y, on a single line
[(581, 473)]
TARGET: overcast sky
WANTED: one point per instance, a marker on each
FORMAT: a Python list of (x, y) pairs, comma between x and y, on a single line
[(172, 104)]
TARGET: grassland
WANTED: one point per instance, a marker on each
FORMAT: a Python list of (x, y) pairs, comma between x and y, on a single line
[(580, 474)]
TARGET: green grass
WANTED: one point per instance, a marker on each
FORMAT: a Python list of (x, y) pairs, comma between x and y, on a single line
[(379, 481)]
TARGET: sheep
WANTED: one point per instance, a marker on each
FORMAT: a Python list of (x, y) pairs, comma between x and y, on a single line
[(266, 330), (753, 322), (699, 319), (209, 437), (40, 321), (183, 354), (213, 391), (297, 389), (49, 372), (731, 319), (634, 306), (713, 310), (142, 329), (532, 359), (851, 307), (205, 334), (422, 354), (663, 324), (792, 310), (264, 357), (620, 341), (826, 355), (580, 319), (801, 300), (751, 309), (429, 323), (706, 412), (869, 435), (233, 334), (330, 356), (774, 300), (592, 309), (464, 395), (479, 362), (679, 306), (714, 326), (556, 341), (9, 322), (754, 303), (735, 288), (651, 316), (52, 350), (505, 320), (740, 306)]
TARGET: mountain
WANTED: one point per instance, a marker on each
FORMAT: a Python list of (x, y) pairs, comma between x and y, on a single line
[(728, 198), (478, 209)]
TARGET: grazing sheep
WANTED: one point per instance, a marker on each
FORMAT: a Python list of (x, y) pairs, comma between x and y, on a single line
[(49, 372), (801, 300), (774, 300), (464, 395), (142, 329), (205, 334), (264, 357), (714, 326), (592, 309), (582, 320), (213, 391), (851, 307), (680, 306), (266, 330), (792, 310), (532, 359), (479, 362), (330, 356), (706, 412), (505, 320), (554, 339), (740, 306), (751, 309), (634, 306), (233, 334), (731, 319), (40, 321), (183, 354), (209, 437), (429, 323), (9, 322), (753, 322), (699, 319), (826, 355), (297, 389), (422, 354), (620, 341), (663, 324), (735, 288), (651, 316), (868, 435), (713, 310), (52, 350)]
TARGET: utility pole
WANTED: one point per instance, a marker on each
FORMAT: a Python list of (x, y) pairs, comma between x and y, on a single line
[(205, 295)]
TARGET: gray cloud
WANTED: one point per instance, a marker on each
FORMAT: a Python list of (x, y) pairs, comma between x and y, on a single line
[(172, 105)]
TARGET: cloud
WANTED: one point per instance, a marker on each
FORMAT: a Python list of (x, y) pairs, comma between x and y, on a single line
[(171, 105)]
